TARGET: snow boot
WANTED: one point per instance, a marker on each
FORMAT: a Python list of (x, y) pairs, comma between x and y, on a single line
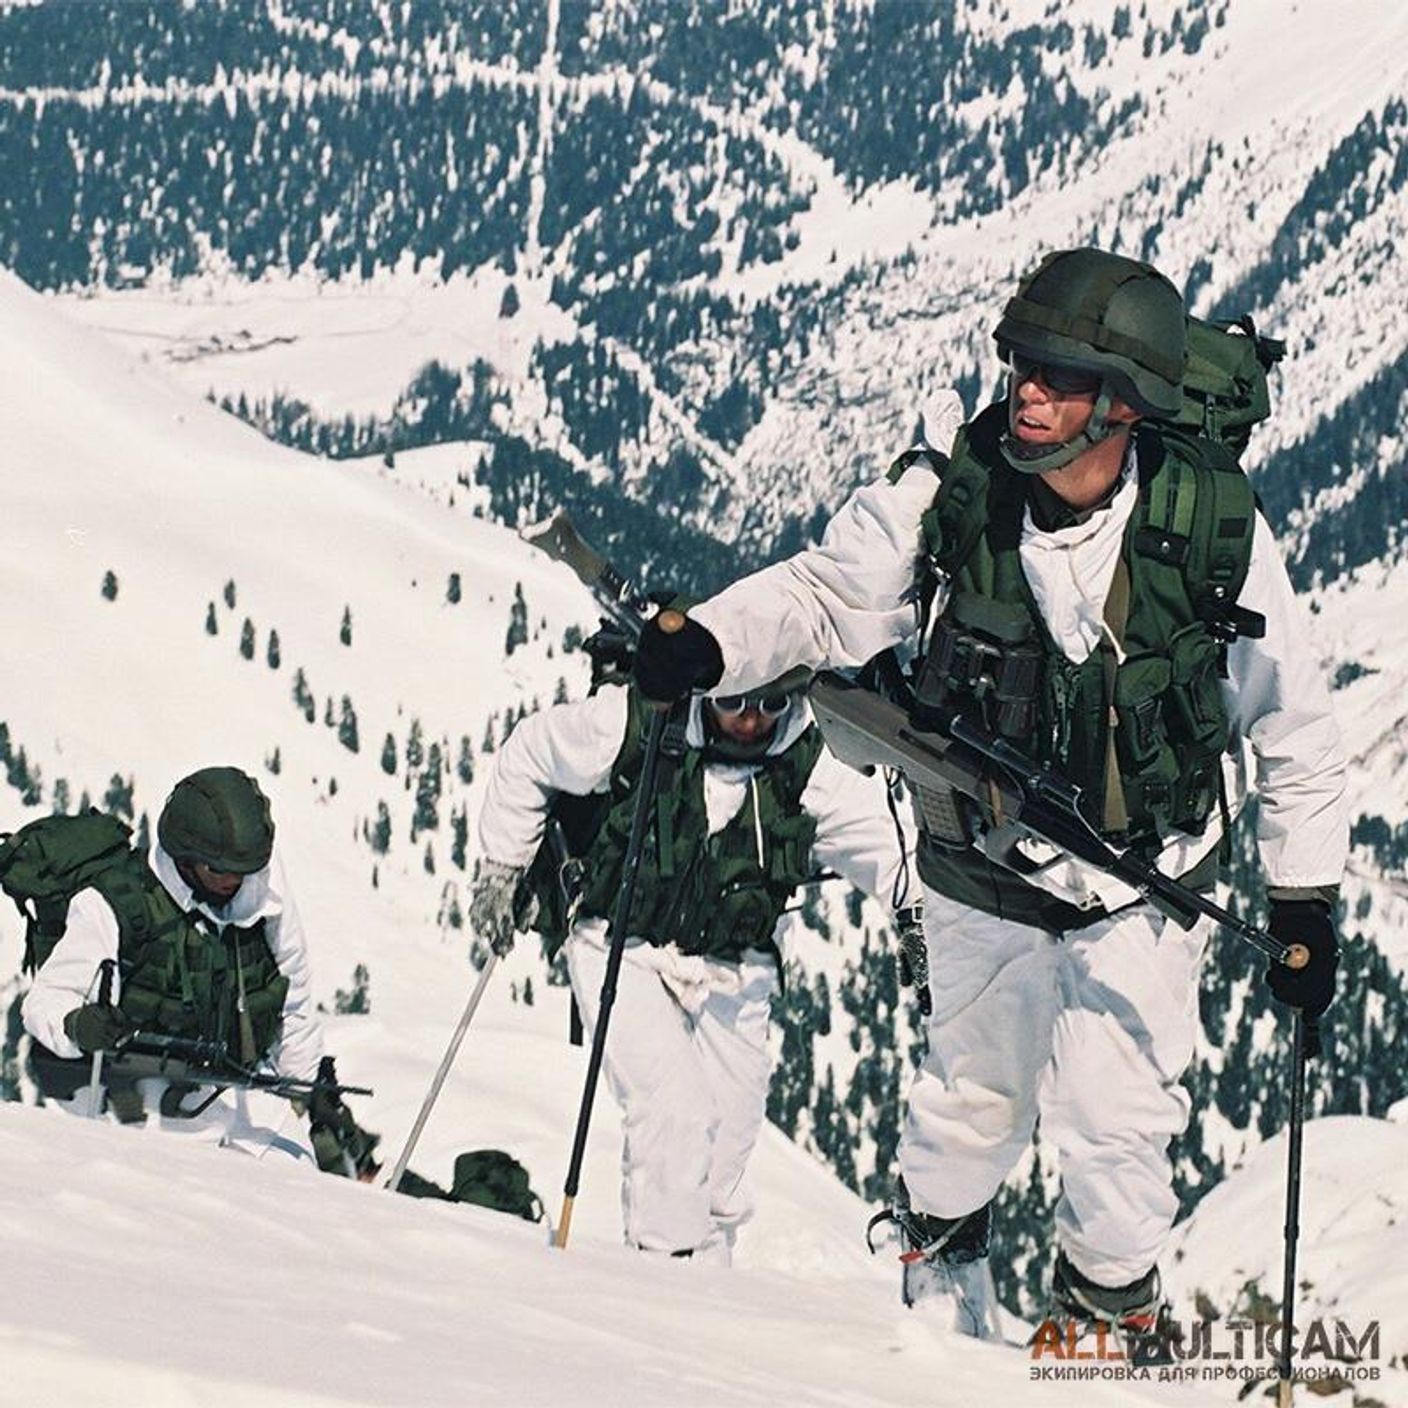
[(1134, 1320), (945, 1263)]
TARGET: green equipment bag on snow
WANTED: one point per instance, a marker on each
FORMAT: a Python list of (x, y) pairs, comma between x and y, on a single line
[(44, 864), (494, 1179)]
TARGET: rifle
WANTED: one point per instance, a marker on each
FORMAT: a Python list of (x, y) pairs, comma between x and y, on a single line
[(198, 1061), (618, 597), (1017, 795)]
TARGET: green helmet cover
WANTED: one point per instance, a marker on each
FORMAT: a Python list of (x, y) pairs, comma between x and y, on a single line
[(220, 818), (1098, 312)]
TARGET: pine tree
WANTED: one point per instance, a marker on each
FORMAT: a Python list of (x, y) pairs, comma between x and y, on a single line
[(303, 696), (517, 621), (272, 655), (230, 594), (274, 762), (459, 837), (344, 633), (427, 812), (381, 830), (356, 1001), (559, 695), (247, 639), (329, 719), (415, 746), (212, 626), (118, 798), (452, 591), (488, 745), (109, 586), (61, 801), (347, 726), (388, 756), (464, 769), (429, 858)]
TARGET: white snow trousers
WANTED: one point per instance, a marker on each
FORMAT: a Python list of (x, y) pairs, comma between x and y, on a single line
[(1092, 1031), (687, 1061)]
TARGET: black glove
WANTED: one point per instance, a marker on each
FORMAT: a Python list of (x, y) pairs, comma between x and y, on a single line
[(671, 664), (914, 956), (338, 1140), (98, 1026), (1311, 923)]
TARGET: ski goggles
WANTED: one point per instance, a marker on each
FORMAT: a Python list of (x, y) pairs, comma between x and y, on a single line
[(771, 705), (1068, 381)]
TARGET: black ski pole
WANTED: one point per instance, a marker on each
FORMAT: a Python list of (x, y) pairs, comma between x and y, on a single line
[(1301, 1033), (645, 795), (96, 1101)]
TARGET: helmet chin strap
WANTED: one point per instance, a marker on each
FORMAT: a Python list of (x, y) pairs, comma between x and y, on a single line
[(1038, 459)]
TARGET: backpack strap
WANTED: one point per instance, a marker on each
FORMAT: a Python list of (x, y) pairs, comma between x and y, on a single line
[(1200, 516)]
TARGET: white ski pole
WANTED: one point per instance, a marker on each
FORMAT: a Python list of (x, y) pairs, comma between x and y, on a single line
[(433, 1094)]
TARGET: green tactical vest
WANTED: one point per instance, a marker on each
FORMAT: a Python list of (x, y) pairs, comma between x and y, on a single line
[(182, 977), (709, 895), (1186, 551)]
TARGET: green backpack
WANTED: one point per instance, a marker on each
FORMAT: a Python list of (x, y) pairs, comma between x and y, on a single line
[(45, 863), (1225, 391), (488, 1177)]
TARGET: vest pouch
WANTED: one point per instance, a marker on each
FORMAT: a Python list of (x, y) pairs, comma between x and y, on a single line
[(1195, 712), (1148, 764), (981, 655), (743, 916)]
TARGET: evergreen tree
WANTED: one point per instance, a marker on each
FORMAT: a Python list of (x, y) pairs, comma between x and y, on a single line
[(61, 800), (452, 591), (118, 798), (381, 830), (415, 746), (488, 745), (347, 726), (272, 655), (303, 696), (109, 586), (357, 1000), (429, 861), (517, 621), (230, 594), (212, 626), (464, 769), (247, 639), (509, 304), (428, 787), (329, 719), (344, 633), (459, 837), (274, 762), (559, 695), (388, 756)]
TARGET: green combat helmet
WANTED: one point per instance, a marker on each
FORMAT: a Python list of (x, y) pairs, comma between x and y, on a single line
[(1096, 312), (219, 818)]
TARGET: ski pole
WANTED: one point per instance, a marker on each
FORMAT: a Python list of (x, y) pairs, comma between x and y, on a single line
[(644, 798), (448, 1060), (1301, 1032), (95, 1078)]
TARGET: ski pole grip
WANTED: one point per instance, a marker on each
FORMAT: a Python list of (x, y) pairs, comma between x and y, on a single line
[(1297, 956)]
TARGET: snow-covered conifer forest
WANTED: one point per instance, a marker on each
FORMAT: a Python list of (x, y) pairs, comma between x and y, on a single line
[(307, 304)]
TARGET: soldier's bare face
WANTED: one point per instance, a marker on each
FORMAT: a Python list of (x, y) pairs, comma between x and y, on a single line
[(1039, 415)]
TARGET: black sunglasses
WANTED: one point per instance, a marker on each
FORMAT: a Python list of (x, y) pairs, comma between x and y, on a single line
[(1069, 381), (771, 706)]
